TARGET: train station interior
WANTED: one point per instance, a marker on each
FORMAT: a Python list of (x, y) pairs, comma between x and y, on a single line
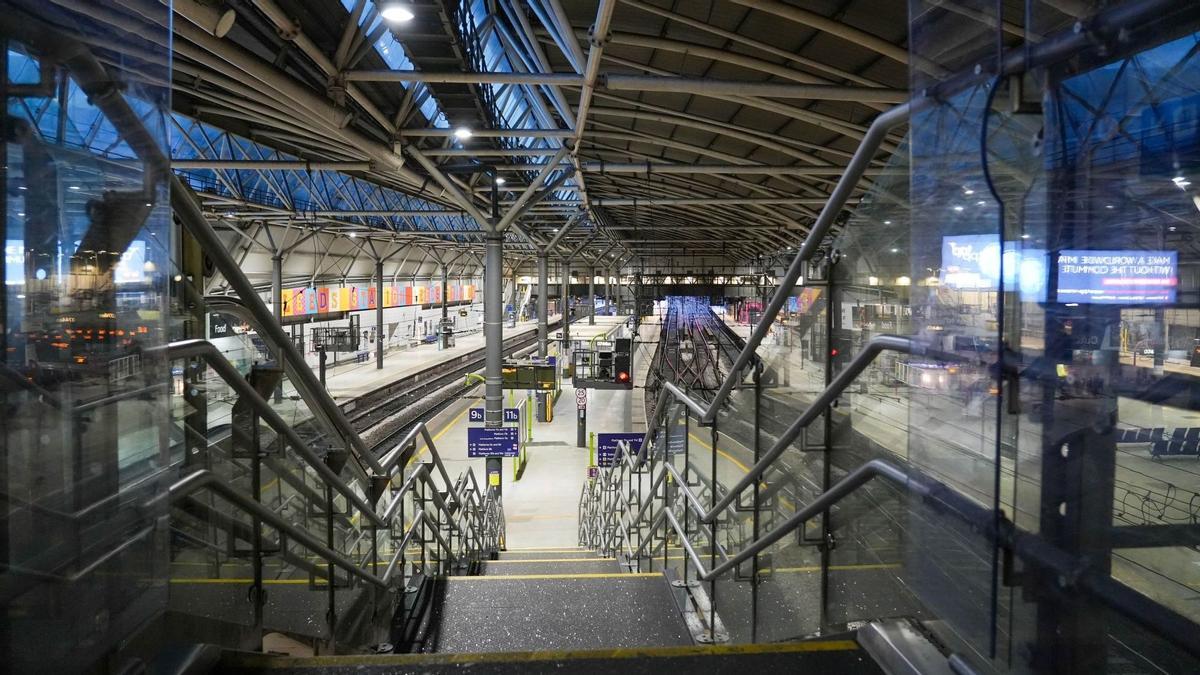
[(600, 336)]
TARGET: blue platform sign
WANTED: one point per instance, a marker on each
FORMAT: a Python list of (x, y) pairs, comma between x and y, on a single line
[(606, 446), (510, 415), (492, 442)]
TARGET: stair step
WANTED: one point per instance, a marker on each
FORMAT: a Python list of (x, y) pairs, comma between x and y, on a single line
[(548, 554), (559, 611), (816, 656), (550, 566)]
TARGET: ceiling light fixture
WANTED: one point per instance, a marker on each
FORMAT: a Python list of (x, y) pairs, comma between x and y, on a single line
[(396, 12), (462, 133), (499, 180)]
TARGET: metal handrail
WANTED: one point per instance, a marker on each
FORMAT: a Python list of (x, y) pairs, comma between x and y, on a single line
[(826, 397), (205, 479)]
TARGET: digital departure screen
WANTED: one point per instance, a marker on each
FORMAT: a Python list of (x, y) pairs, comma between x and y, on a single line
[(1117, 277)]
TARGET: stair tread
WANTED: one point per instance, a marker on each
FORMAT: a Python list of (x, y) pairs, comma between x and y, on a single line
[(559, 611), (550, 566), (817, 656)]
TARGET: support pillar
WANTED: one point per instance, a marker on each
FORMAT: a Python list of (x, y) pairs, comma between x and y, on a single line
[(446, 328), (493, 337), (513, 297), (379, 330), (564, 354), (608, 292), (543, 304), (591, 296), (277, 309)]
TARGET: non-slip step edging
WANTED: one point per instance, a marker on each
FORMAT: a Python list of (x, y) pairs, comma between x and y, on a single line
[(831, 656)]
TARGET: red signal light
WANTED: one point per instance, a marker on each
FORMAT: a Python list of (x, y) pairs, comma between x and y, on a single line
[(622, 377), (833, 352)]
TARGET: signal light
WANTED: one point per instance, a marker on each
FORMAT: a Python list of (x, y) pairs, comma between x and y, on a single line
[(833, 351), (622, 377)]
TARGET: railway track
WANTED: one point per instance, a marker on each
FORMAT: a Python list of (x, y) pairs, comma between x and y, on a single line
[(383, 415)]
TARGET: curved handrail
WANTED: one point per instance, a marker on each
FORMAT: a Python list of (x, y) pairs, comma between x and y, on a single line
[(831, 392), (205, 479), (317, 397)]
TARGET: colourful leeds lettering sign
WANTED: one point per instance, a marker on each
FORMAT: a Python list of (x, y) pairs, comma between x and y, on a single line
[(324, 300)]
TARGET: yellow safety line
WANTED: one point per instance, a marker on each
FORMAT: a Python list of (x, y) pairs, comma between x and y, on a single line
[(530, 577), (442, 432), (263, 661), (745, 469), (549, 560)]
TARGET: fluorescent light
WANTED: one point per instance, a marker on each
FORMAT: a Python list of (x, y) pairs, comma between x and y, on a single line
[(958, 209), (396, 12), (1024, 236), (462, 133), (74, 187), (887, 222), (968, 191), (499, 180), (895, 250), (354, 235)]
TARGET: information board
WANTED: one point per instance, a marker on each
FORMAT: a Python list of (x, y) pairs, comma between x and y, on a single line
[(607, 450), (492, 442), (479, 415)]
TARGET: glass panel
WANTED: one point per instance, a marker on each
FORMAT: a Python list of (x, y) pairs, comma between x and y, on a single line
[(87, 243), (956, 265)]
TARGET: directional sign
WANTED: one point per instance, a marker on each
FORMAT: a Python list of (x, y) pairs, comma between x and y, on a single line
[(581, 399), (606, 446), (492, 442), (478, 415)]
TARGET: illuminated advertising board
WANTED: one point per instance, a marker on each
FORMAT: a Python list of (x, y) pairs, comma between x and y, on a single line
[(974, 261), (1120, 277)]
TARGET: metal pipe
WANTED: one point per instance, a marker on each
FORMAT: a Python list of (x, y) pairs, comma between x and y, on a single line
[(489, 152), (878, 130), (730, 169), (562, 231), (707, 201), (519, 206), (491, 133), (705, 86), (205, 479), (591, 296), (543, 302), (288, 27), (530, 79), (831, 26), (828, 395), (211, 20), (598, 36), (301, 374), (268, 165), (379, 328), (493, 331), (204, 349)]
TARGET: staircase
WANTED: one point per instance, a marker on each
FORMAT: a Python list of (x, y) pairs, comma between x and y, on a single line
[(562, 598)]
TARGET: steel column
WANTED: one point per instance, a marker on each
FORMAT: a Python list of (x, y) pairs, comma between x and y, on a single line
[(493, 337), (543, 304), (591, 296), (379, 331)]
